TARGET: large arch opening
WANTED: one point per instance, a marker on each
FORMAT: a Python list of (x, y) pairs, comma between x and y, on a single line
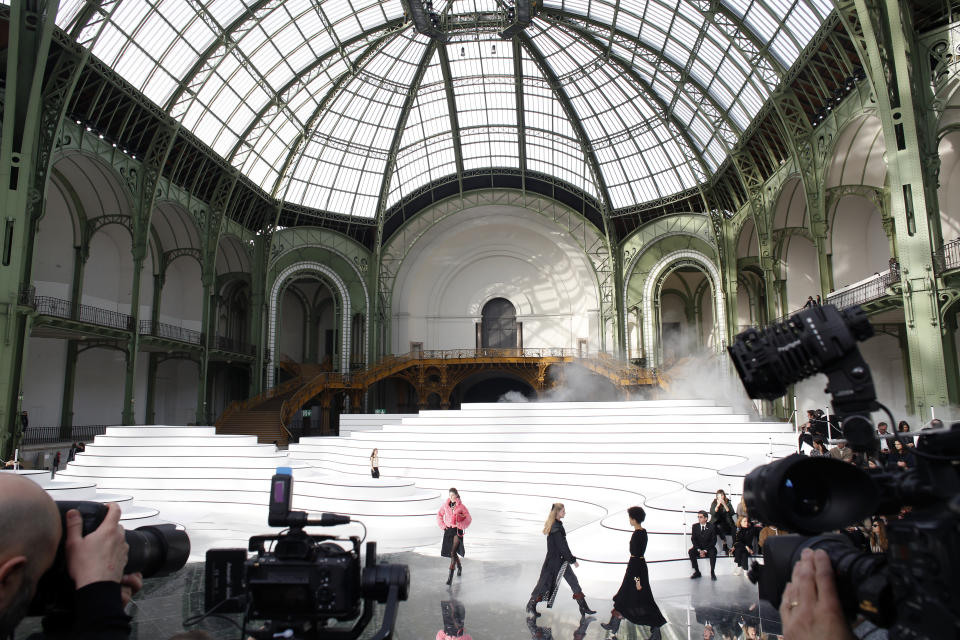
[(498, 325), (705, 294)]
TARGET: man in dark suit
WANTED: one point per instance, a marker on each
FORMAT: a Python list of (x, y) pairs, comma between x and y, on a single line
[(704, 538)]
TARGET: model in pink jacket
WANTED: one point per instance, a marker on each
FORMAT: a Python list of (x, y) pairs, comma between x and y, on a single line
[(453, 518)]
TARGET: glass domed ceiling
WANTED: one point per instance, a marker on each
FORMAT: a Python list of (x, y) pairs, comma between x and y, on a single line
[(628, 100)]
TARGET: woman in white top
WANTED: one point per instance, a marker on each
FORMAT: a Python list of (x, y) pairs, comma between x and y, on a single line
[(375, 464)]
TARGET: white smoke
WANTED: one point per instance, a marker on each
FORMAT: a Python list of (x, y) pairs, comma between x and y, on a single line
[(512, 396)]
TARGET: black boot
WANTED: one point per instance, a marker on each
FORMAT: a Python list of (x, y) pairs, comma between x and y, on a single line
[(532, 608), (459, 569), (655, 633), (450, 577), (614, 625), (582, 603)]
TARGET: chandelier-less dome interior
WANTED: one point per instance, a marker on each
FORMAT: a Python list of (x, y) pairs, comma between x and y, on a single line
[(343, 106)]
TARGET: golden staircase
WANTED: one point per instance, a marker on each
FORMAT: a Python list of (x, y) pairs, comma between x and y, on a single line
[(429, 372)]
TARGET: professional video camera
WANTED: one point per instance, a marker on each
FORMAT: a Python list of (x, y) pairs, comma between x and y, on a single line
[(911, 589), (155, 551), (305, 580)]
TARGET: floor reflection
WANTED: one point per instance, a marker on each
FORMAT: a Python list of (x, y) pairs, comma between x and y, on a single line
[(494, 595)]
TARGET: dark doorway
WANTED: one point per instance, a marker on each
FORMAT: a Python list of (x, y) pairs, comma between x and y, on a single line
[(499, 325)]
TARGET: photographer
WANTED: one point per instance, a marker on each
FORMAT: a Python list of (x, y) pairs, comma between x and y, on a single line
[(30, 533)]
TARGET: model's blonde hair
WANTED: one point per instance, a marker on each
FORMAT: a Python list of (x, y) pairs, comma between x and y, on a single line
[(554, 510)]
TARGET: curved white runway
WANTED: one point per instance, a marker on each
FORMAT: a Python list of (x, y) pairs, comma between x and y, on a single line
[(509, 462)]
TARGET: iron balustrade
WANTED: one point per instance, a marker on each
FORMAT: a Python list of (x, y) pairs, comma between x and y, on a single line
[(949, 256), (50, 435), (58, 308), (867, 291), (170, 332), (234, 346)]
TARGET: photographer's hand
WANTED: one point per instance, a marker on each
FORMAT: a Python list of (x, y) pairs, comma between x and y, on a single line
[(810, 608), (130, 584), (101, 555)]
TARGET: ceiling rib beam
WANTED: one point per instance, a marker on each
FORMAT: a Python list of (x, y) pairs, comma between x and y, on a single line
[(303, 137), (389, 27), (452, 109), (575, 123), (428, 52)]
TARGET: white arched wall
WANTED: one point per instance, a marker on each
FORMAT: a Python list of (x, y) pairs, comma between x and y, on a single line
[(649, 292), (52, 275), (949, 191), (857, 156), (175, 393), (328, 275), (293, 317), (181, 301), (858, 242), (98, 390), (801, 271), (492, 251)]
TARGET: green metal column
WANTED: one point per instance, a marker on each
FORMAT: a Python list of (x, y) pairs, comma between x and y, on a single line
[(30, 30), (69, 385), (150, 415), (883, 32), (203, 413), (258, 311), (133, 343)]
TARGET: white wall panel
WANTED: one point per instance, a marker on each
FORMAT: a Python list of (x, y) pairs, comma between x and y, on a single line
[(98, 394), (43, 380), (175, 400)]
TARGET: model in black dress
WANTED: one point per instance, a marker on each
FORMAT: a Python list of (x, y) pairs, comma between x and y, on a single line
[(558, 563), (634, 600)]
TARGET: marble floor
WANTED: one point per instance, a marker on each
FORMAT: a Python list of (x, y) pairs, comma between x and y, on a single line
[(488, 601)]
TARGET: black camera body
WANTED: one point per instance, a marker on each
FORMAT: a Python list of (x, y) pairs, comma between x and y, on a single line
[(154, 551), (911, 589), (303, 581)]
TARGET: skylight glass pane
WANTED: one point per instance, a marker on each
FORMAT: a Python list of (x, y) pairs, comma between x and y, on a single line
[(278, 61)]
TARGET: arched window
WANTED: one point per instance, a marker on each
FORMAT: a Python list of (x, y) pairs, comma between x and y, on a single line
[(499, 325)]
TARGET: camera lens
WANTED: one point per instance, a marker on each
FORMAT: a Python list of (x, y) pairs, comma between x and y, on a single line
[(808, 495), (862, 585), (156, 550)]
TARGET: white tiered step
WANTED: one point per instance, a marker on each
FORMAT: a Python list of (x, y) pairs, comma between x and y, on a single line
[(131, 515), (217, 486), (511, 461)]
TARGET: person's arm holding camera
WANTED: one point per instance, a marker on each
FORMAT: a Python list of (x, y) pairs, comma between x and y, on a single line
[(810, 608), (96, 563)]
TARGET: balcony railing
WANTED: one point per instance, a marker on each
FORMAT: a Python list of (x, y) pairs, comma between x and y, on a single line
[(867, 290), (170, 332), (50, 435), (48, 306), (233, 346), (948, 257)]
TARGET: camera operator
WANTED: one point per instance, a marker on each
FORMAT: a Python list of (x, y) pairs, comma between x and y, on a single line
[(30, 533)]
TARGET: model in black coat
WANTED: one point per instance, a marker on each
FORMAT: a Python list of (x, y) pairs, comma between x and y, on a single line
[(634, 600), (743, 546), (721, 517), (558, 553), (704, 538)]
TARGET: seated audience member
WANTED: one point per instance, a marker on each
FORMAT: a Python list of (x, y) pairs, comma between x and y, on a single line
[(704, 538), (721, 517), (743, 546), (819, 449), (904, 427), (884, 443), (768, 531), (29, 536), (842, 452), (878, 536), (901, 457)]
